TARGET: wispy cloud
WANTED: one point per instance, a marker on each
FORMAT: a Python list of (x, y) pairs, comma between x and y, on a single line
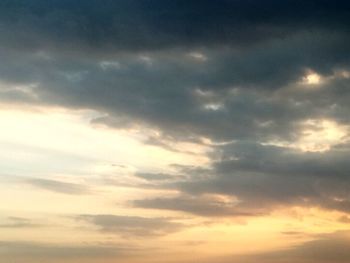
[(18, 222), (131, 226), (59, 186)]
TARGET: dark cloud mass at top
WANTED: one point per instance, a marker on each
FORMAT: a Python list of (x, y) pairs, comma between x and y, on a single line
[(152, 24), (230, 71)]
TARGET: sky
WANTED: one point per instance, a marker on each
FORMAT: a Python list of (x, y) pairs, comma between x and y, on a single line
[(174, 131)]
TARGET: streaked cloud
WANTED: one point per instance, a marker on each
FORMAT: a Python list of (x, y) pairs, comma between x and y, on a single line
[(59, 186), (18, 222), (132, 225), (32, 252)]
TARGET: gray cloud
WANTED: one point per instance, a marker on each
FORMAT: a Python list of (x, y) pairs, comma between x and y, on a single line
[(323, 249), (59, 186), (34, 252), (157, 176), (198, 205), (131, 226), (169, 90), (18, 222), (131, 61), (165, 94), (262, 178), (157, 86)]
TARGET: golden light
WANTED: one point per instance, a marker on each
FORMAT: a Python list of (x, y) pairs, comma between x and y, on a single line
[(320, 135), (312, 78)]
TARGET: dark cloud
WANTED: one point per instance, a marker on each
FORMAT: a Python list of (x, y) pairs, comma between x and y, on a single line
[(176, 95), (262, 178), (227, 70), (152, 24), (131, 226), (162, 86)]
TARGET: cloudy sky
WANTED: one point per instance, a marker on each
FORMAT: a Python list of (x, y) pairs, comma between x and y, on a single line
[(168, 131)]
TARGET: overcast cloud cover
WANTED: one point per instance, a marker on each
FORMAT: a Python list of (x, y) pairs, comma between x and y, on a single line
[(264, 85)]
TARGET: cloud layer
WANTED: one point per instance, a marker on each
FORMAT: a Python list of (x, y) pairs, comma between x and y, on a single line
[(261, 86)]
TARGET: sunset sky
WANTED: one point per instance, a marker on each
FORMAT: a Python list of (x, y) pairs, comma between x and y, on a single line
[(174, 131)]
